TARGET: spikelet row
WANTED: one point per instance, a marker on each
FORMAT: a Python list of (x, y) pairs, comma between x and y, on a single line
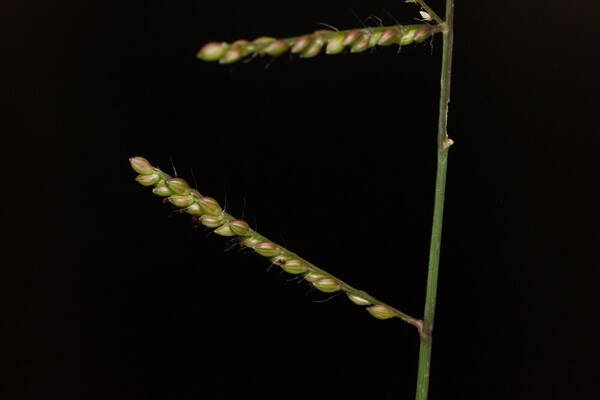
[(306, 46), (209, 213)]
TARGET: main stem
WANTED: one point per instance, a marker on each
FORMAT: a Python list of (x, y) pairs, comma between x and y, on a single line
[(443, 144)]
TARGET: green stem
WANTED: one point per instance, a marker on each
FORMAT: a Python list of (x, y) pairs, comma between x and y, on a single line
[(443, 144)]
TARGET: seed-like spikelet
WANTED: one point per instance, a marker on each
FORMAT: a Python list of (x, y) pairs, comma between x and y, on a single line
[(407, 37), (224, 230), (352, 37), (178, 186), (250, 242), (361, 301), (327, 285), (209, 205), (141, 165), (245, 46), (302, 44), (267, 249), (294, 266), (277, 48), (335, 44), (374, 39), (239, 227), (161, 189), (422, 34), (380, 312), (313, 276), (212, 51), (212, 221), (148, 180), (361, 44), (194, 209), (181, 201), (232, 55), (313, 49), (390, 36)]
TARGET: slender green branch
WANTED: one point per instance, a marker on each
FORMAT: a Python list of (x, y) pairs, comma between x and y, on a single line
[(210, 214), (306, 46), (427, 9), (443, 144)]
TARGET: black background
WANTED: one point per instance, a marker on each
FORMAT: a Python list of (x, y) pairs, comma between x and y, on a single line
[(109, 294)]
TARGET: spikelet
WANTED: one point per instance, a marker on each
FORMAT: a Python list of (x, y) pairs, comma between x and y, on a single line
[(327, 285), (294, 266), (380, 312)]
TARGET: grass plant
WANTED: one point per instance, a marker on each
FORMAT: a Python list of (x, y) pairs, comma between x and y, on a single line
[(208, 212)]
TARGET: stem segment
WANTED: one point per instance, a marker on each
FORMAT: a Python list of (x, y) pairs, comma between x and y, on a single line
[(443, 145)]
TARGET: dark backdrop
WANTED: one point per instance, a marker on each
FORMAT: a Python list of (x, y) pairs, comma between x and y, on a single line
[(109, 294)]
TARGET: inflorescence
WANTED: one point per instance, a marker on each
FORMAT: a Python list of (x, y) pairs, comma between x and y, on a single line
[(306, 46), (209, 213)]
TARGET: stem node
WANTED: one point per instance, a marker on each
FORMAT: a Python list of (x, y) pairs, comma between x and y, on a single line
[(447, 143)]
